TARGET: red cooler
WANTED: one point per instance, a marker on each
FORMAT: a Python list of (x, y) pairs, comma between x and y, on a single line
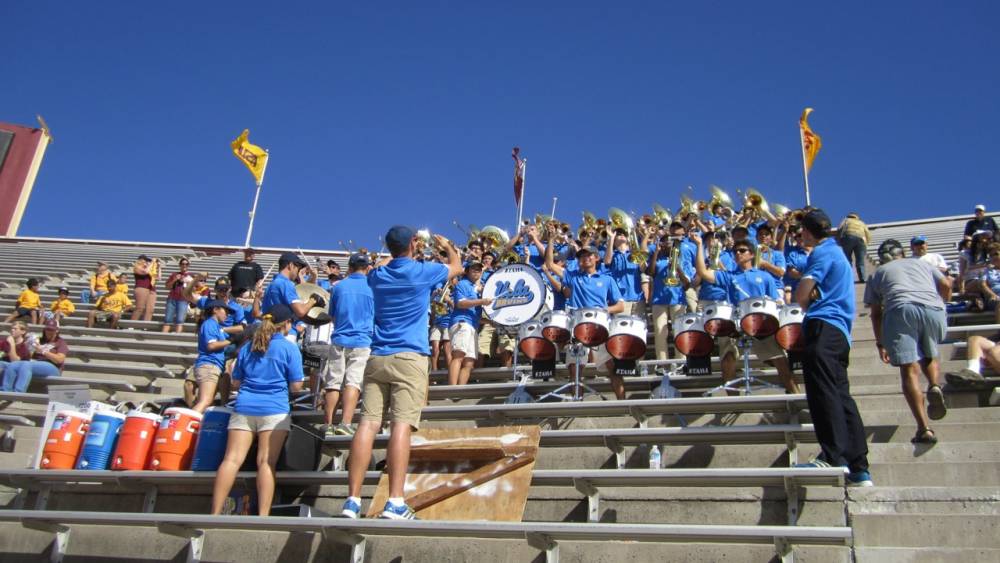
[(65, 440), (135, 441), (173, 445)]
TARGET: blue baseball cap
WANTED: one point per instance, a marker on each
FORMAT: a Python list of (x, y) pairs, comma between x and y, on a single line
[(279, 313), (919, 239), (213, 303), (398, 237)]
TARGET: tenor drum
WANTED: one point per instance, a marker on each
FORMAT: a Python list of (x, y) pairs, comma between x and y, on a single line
[(790, 335), (627, 340), (317, 340), (590, 325), (532, 342), (690, 337), (759, 316), (557, 326), (719, 319)]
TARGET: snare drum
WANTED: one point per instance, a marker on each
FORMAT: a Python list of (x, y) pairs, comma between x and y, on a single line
[(790, 335), (690, 337), (627, 340), (533, 344), (557, 326), (759, 316), (590, 325), (719, 319), (317, 339)]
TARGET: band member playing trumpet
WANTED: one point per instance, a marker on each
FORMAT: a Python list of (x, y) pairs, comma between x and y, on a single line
[(746, 283), (464, 323), (626, 273), (589, 288)]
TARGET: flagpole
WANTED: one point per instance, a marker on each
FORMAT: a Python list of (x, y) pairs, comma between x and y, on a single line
[(523, 164), (256, 197), (805, 168)]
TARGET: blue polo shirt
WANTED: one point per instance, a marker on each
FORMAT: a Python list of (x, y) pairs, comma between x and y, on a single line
[(752, 229), (747, 283), (689, 251), (464, 289), (558, 300), (795, 257), (664, 294), (535, 258), (717, 221), (828, 267), (402, 292), (626, 274), (211, 331), (713, 292), (591, 290), (442, 321), (353, 310), (264, 378), (776, 258), (281, 290), (238, 316)]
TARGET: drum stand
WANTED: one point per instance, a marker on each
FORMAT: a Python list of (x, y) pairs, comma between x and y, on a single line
[(745, 382), (578, 352)]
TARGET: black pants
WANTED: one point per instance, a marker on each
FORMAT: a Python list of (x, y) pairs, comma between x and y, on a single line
[(835, 416), (854, 249)]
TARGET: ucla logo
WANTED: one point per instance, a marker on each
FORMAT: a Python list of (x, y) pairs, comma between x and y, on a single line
[(507, 296)]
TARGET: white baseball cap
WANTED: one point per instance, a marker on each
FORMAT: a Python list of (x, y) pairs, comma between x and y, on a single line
[(980, 207)]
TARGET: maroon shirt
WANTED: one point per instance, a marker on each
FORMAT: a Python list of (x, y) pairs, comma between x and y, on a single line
[(58, 346), (21, 349), (176, 285)]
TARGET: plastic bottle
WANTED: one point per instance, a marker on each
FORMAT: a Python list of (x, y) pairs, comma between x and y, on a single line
[(654, 457)]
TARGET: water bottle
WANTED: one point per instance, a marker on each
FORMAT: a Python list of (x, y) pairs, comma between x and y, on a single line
[(654, 457)]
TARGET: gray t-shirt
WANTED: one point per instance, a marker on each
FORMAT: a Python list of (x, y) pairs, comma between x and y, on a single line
[(906, 280)]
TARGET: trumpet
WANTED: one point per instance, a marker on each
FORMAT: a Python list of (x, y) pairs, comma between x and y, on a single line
[(715, 256), (673, 274), (755, 200), (621, 220)]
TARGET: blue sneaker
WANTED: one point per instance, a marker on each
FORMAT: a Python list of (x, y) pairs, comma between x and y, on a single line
[(813, 463), (393, 512), (860, 479), (350, 510)]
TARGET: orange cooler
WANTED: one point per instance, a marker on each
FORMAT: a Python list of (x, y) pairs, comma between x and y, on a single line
[(135, 441), (65, 440), (173, 445)]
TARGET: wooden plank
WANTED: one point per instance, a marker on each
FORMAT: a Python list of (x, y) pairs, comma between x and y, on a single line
[(471, 479), (472, 452)]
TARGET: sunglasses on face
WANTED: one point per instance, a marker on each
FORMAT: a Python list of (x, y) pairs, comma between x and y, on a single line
[(741, 250)]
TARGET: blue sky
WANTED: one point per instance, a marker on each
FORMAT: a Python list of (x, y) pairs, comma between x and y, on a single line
[(405, 112)]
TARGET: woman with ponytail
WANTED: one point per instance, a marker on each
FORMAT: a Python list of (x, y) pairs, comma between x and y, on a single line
[(266, 369)]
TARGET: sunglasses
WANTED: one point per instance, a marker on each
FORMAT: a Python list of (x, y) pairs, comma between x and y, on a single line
[(741, 250)]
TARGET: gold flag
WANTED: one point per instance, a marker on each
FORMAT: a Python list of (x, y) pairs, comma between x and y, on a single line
[(811, 142), (254, 157)]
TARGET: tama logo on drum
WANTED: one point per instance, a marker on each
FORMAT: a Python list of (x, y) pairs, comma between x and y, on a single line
[(507, 296)]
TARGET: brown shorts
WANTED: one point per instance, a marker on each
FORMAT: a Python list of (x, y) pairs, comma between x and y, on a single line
[(207, 373), (395, 385)]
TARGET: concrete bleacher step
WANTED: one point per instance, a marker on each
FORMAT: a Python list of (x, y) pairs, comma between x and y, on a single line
[(927, 554), (916, 530)]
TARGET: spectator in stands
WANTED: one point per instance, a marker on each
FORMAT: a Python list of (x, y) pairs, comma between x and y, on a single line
[(62, 306), (211, 362), (246, 273), (980, 352), (853, 237), (47, 358), (918, 246), (972, 262), (980, 222), (110, 306), (907, 299), (15, 346), (146, 275), (28, 305), (989, 282), (266, 371), (177, 304), (98, 284)]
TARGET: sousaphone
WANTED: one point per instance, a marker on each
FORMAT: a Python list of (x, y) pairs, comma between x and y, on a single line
[(317, 316)]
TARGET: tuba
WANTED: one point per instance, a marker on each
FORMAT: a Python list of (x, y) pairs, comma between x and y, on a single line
[(621, 220), (719, 197), (662, 214), (495, 240)]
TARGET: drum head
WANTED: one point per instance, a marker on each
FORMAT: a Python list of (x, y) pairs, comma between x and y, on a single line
[(790, 337), (694, 343), (759, 325), (517, 292), (537, 348), (626, 347), (720, 327), (556, 334)]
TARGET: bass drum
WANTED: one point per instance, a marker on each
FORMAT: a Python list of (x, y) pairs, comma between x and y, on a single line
[(759, 316), (557, 326), (533, 344), (690, 337), (516, 293), (591, 325), (719, 319), (790, 335), (627, 340)]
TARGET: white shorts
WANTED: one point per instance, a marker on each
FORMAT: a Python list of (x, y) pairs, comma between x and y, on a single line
[(464, 339), (249, 423), (440, 333), (345, 366)]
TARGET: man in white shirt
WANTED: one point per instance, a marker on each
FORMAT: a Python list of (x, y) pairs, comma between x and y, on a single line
[(918, 246)]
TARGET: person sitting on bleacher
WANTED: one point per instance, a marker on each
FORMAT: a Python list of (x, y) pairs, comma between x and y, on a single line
[(971, 264), (110, 306), (62, 306), (989, 282), (98, 284), (235, 324), (15, 346), (980, 222), (918, 246), (980, 352), (29, 304), (211, 362), (47, 357)]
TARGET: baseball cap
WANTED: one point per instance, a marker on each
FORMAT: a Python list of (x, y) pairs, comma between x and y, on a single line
[(290, 258), (222, 282), (51, 323), (816, 222), (398, 237), (64, 290), (357, 261), (587, 249), (980, 207), (279, 313), (919, 239), (474, 266), (144, 257), (212, 303)]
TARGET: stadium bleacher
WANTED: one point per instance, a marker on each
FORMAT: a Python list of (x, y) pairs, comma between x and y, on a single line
[(726, 491)]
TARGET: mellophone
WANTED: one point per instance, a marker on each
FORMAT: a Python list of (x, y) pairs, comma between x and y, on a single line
[(624, 336), (757, 317)]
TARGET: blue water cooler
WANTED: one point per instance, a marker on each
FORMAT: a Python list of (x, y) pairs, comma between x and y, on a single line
[(100, 441), (211, 445)]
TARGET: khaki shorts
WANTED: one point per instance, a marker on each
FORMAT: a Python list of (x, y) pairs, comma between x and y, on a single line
[(635, 308), (505, 342), (395, 385), (207, 373), (439, 333), (486, 333), (345, 366), (464, 339), (249, 423), (766, 349)]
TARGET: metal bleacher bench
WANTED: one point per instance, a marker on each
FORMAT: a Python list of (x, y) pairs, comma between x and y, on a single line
[(544, 536), (33, 398), (107, 385)]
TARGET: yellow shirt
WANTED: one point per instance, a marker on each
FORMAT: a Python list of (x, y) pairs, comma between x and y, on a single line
[(64, 306), (29, 300), (99, 282), (113, 302)]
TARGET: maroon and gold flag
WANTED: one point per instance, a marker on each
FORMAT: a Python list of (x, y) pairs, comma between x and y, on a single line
[(811, 142), (518, 175)]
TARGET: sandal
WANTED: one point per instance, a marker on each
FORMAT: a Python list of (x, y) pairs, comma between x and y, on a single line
[(936, 408), (924, 436)]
